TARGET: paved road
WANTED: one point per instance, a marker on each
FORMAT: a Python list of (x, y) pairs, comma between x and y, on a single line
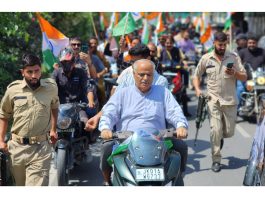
[(234, 155), (234, 158)]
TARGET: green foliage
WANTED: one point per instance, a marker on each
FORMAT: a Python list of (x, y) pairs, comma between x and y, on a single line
[(73, 24), (20, 33)]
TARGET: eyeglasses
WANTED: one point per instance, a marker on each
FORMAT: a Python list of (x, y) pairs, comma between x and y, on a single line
[(141, 75), (76, 44)]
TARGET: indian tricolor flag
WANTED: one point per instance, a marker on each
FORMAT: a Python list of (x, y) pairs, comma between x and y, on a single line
[(52, 42), (103, 21), (145, 33), (160, 25), (206, 32), (228, 21)]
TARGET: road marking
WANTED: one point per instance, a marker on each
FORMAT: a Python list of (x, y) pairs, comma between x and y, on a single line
[(242, 131)]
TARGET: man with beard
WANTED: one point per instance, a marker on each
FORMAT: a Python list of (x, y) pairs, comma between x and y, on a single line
[(153, 55), (253, 55), (221, 92), (33, 104)]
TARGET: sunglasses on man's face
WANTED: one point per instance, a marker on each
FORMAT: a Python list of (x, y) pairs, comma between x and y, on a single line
[(76, 44)]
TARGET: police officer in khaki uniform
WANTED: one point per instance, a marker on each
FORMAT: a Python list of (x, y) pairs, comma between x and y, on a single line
[(223, 68), (33, 105)]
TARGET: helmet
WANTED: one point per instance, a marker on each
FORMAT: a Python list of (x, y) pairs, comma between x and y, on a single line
[(66, 54)]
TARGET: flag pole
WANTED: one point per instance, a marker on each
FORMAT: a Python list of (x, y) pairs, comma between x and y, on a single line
[(230, 37), (125, 26), (93, 24)]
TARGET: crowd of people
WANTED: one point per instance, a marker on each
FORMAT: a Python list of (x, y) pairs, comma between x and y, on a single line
[(142, 90)]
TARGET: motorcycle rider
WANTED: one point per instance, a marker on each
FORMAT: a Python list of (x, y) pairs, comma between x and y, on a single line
[(153, 55), (140, 51), (141, 105), (253, 55), (241, 42), (171, 57), (73, 84)]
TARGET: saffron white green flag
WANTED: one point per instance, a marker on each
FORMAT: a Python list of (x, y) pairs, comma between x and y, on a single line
[(145, 33), (52, 43), (228, 21)]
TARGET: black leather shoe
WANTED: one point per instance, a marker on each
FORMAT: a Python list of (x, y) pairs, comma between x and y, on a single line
[(222, 144), (216, 167)]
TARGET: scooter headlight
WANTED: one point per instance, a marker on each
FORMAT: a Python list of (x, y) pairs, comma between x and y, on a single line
[(250, 85), (64, 123)]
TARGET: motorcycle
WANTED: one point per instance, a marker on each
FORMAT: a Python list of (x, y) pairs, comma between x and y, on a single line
[(252, 100), (109, 83), (145, 158), (72, 146), (176, 85)]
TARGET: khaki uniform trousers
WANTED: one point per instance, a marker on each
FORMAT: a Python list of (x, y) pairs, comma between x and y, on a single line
[(222, 123), (30, 163)]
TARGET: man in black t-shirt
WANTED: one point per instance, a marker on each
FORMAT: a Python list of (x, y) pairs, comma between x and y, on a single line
[(253, 55)]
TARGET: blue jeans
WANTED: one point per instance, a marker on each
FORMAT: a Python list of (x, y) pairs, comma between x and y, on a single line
[(240, 87)]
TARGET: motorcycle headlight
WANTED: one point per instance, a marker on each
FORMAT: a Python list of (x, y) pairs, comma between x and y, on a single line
[(250, 85), (261, 80), (64, 123)]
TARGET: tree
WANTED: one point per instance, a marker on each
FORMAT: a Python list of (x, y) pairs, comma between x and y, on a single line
[(20, 33)]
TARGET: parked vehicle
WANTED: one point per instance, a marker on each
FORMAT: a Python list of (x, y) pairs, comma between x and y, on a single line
[(145, 158)]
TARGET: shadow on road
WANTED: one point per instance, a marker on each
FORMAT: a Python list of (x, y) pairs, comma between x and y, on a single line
[(88, 174), (235, 163), (194, 162), (194, 158), (201, 145)]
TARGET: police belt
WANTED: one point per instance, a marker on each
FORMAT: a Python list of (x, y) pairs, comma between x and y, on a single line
[(29, 140)]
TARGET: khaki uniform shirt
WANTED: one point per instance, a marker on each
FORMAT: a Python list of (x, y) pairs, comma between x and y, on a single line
[(220, 86), (30, 109)]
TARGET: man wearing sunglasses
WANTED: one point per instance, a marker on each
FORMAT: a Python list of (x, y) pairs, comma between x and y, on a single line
[(82, 59)]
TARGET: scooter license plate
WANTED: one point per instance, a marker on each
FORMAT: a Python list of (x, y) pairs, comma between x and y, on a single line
[(150, 174)]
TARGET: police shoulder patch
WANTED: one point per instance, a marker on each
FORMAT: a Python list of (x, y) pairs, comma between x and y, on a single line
[(49, 81), (17, 82), (234, 53)]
